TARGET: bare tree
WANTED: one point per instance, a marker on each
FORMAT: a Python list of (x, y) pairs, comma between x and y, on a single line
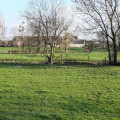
[(2, 27), (22, 32), (35, 28), (118, 40), (68, 37), (14, 31), (51, 21), (102, 15), (102, 39)]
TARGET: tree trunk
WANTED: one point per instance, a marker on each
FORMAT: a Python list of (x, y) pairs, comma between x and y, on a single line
[(51, 59), (38, 45), (45, 44), (119, 46), (29, 50), (38, 49), (65, 47), (114, 52), (108, 49), (23, 46), (59, 48)]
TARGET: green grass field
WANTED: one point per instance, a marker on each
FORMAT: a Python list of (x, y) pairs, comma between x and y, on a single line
[(77, 54), (28, 90), (70, 91), (81, 57)]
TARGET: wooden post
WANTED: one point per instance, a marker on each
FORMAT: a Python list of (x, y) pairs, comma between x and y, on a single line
[(105, 60), (61, 58), (88, 59), (10, 51), (77, 58), (18, 51), (13, 59), (66, 57)]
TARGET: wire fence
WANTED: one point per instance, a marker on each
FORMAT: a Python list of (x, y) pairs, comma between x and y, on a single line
[(63, 58)]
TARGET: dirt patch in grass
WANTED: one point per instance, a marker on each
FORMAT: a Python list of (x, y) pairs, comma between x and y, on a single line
[(18, 66), (69, 67)]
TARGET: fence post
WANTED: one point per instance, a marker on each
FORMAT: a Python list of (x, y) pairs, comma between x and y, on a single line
[(18, 51), (10, 52), (13, 59), (66, 57), (105, 60), (77, 58), (88, 58), (61, 58)]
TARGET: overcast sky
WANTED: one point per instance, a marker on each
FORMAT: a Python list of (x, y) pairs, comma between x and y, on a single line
[(12, 9)]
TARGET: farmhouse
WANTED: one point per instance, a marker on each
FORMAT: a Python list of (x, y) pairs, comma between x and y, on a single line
[(33, 40), (6, 43), (23, 41), (79, 43)]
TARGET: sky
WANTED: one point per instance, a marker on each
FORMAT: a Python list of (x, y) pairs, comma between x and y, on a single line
[(12, 11)]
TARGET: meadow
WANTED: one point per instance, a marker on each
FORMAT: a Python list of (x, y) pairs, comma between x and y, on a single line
[(75, 54), (69, 91)]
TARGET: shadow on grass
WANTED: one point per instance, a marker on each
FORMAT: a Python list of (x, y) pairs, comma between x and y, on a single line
[(20, 65), (87, 108), (79, 63), (47, 66), (47, 117), (34, 116), (79, 107), (3, 117)]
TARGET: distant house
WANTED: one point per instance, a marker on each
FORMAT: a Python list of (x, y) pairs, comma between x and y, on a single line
[(32, 40), (17, 41), (83, 43), (78, 43), (24, 41), (6, 43), (90, 42), (2, 45)]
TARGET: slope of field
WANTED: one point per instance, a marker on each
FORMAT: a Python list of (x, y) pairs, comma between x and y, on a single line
[(59, 92)]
